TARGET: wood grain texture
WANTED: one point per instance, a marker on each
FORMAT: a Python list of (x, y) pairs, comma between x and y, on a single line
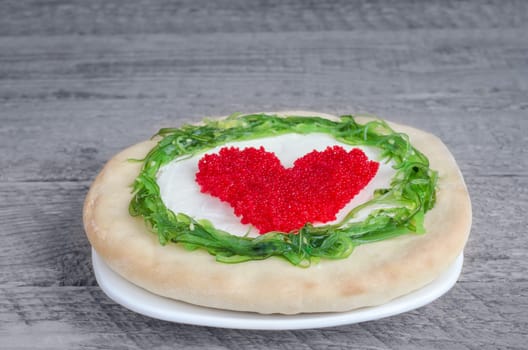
[(102, 17), (81, 80), (85, 318), (168, 80)]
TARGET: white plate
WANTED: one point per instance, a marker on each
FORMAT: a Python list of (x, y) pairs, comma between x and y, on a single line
[(139, 300)]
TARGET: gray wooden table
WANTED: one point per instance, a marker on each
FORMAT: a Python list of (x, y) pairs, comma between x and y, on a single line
[(80, 80)]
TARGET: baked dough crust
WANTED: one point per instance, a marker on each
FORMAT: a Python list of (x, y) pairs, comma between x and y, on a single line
[(374, 274)]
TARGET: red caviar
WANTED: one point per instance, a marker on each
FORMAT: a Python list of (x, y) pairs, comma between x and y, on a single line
[(270, 197)]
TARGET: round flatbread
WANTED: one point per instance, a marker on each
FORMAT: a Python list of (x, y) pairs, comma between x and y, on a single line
[(372, 275)]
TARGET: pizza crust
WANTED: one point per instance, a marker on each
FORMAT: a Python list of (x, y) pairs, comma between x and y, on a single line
[(374, 274)]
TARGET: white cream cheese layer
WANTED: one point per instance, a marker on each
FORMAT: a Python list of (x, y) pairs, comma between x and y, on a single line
[(181, 194)]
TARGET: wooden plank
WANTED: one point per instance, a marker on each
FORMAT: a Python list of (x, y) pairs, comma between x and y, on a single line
[(59, 150), (116, 17), (43, 238), (120, 90), (368, 63), (83, 317)]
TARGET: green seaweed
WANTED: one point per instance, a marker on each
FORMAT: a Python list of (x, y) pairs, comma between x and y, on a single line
[(403, 205)]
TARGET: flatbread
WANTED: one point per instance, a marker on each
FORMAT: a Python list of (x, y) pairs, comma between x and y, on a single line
[(374, 273)]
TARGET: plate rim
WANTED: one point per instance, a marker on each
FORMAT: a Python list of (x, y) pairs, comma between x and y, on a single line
[(126, 294)]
